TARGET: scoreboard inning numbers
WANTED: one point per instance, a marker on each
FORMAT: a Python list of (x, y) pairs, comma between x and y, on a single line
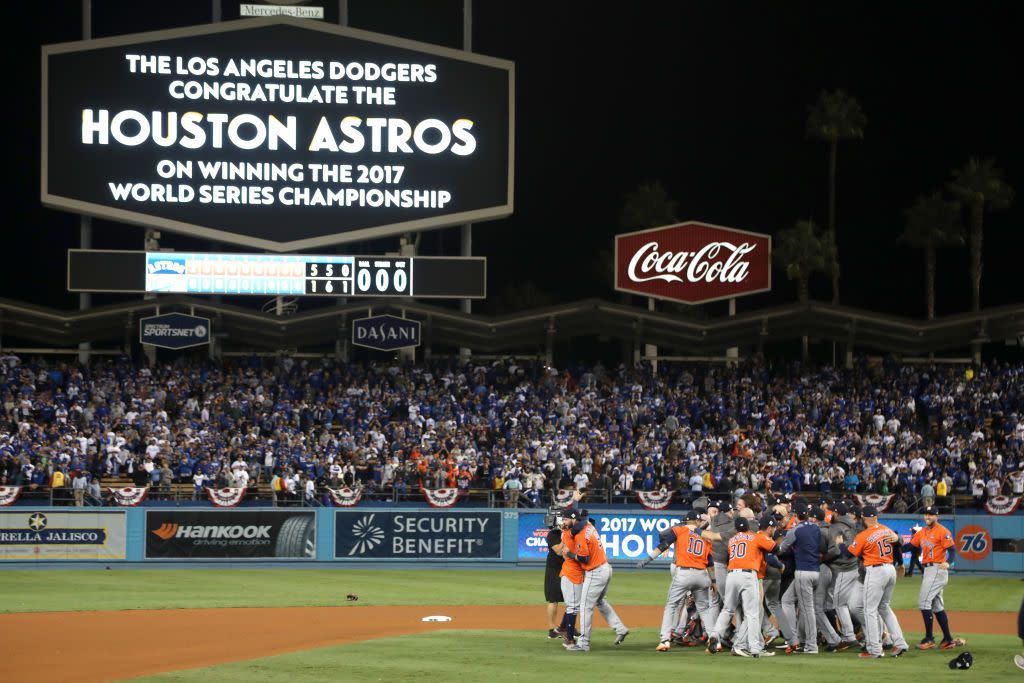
[(172, 272), (361, 276)]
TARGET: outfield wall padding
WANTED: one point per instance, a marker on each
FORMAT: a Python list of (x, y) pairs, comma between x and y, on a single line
[(365, 536)]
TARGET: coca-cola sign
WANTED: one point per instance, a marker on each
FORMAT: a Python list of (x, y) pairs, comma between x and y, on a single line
[(693, 262)]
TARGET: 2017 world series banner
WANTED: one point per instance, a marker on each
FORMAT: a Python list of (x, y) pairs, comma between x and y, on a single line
[(630, 537), (47, 535), (418, 535), (625, 536)]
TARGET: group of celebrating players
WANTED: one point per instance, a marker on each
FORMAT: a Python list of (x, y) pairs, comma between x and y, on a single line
[(812, 575)]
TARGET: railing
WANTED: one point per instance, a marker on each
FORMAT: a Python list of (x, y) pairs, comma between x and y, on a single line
[(184, 494)]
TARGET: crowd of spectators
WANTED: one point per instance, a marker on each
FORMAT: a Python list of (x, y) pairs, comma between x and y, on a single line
[(917, 431)]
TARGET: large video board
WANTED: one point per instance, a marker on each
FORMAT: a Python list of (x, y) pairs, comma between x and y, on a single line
[(276, 133)]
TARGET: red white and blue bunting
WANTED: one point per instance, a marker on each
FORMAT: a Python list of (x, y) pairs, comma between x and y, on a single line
[(345, 497), (1002, 505), (441, 498), (880, 502), (226, 497), (9, 494), (129, 496), (655, 500)]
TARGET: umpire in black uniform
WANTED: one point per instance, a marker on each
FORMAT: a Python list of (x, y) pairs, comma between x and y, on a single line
[(552, 569)]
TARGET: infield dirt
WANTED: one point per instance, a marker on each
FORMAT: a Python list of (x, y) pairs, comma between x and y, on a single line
[(107, 646)]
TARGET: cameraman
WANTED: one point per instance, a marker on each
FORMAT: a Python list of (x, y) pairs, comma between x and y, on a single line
[(552, 569)]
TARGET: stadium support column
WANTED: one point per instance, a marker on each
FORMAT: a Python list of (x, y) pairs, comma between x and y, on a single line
[(466, 305), (638, 334), (85, 228), (150, 243), (428, 338), (733, 352), (341, 348), (549, 341), (651, 350), (848, 360), (406, 354)]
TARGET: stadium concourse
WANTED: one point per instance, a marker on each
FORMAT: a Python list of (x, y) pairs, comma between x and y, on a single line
[(915, 431)]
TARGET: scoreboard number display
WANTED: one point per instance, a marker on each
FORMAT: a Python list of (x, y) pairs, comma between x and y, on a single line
[(373, 276), (305, 275)]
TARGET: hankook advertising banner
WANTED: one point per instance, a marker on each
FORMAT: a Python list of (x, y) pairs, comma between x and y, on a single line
[(230, 534)]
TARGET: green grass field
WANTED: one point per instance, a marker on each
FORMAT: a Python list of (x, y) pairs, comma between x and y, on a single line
[(528, 656), (72, 590), (489, 655)]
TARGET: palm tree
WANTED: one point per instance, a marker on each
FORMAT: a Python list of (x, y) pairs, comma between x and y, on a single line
[(980, 187), (835, 116), (647, 206), (802, 251), (932, 222)]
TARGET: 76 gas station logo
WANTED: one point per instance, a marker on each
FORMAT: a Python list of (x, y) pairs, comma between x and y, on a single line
[(973, 543)]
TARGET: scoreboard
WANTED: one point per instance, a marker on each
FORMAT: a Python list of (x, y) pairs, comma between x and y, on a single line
[(170, 272), (180, 273)]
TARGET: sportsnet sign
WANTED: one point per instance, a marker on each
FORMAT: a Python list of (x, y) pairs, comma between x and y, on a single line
[(36, 535), (417, 535), (230, 534), (174, 331), (693, 262)]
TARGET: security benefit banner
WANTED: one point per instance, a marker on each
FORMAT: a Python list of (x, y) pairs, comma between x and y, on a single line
[(230, 534), (418, 535), (626, 537), (35, 535)]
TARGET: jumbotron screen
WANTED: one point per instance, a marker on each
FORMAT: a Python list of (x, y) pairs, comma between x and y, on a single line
[(276, 134)]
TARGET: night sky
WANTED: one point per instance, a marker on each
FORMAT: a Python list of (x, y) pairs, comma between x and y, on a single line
[(708, 98)]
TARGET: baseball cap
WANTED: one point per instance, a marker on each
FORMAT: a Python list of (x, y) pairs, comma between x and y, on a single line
[(741, 524), (841, 508), (818, 514), (869, 511), (692, 515), (724, 506), (930, 510)]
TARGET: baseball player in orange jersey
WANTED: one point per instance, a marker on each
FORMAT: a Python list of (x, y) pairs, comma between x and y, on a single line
[(571, 582), (874, 545), (746, 550), (826, 505), (935, 541), (692, 556), (740, 633), (597, 575)]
